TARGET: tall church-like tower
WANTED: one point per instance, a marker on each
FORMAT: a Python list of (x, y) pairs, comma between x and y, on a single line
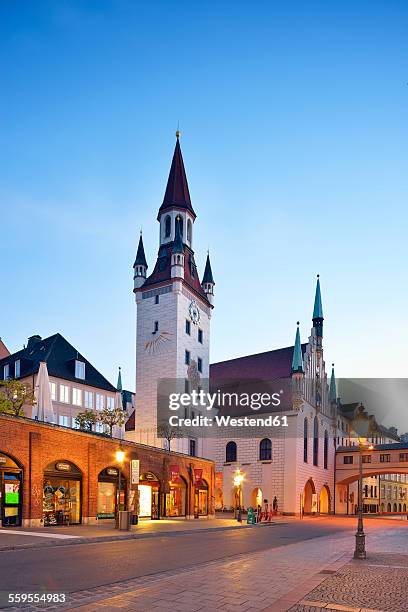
[(173, 310)]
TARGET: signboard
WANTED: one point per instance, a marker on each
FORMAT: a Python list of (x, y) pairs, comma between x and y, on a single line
[(112, 471), (174, 473), (218, 480), (198, 477), (314, 502), (134, 471), (3, 459), (63, 467), (12, 492)]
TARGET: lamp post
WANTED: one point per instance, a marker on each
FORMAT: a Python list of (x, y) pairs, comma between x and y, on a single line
[(119, 456), (360, 551), (238, 479)]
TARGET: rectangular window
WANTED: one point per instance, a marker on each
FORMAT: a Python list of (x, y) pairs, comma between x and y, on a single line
[(192, 448), (188, 327), (187, 358), (366, 458), (348, 459), (6, 372), (156, 299), (99, 427), (77, 397), (110, 403), (99, 403), (385, 458), (156, 327), (79, 369), (186, 386), (53, 391), (63, 420), (88, 399), (64, 394), (403, 456), (200, 336), (74, 425), (199, 364), (17, 369)]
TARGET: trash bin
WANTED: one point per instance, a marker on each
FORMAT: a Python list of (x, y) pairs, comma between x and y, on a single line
[(134, 519), (124, 520)]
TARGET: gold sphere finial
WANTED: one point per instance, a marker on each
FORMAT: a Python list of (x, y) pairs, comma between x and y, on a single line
[(178, 133)]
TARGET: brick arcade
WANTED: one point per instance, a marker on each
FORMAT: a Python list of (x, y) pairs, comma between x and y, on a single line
[(53, 475)]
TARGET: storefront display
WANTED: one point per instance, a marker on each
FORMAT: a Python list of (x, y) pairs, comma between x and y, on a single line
[(10, 492), (176, 498), (62, 494), (149, 496), (108, 482), (201, 499)]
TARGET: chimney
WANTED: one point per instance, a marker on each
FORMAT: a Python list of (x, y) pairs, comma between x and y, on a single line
[(33, 340)]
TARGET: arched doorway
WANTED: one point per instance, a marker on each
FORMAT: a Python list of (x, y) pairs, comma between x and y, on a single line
[(324, 502), (219, 501), (309, 497), (176, 499), (256, 498), (11, 485), (62, 494), (108, 482), (201, 498), (388, 507), (149, 496), (394, 509)]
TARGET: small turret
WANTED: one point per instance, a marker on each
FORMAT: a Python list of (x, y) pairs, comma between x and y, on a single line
[(208, 281), (119, 384), (177, 252), (297, 360), (140, 266), (318, 312), (333, 387)]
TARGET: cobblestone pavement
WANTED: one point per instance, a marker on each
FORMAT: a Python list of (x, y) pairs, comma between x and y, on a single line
[(378, 583), (316, 573)]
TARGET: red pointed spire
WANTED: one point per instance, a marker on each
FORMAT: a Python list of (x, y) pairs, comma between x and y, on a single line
[(177, 194)]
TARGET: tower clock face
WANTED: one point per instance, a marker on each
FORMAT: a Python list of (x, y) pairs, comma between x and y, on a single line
[(194, 312)]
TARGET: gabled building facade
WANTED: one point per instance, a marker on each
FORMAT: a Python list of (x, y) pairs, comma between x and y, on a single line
[(75, 384)]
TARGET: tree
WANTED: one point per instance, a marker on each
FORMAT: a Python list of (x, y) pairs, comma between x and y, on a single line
[(85, 419), (14, 394), (169, 433), (112, 417)]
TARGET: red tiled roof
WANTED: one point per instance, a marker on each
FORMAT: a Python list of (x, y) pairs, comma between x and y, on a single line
[(4, 352), (177, 193)]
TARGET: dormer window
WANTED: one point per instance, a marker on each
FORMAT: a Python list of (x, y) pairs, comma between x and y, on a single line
[(79, 369), (17, 369)]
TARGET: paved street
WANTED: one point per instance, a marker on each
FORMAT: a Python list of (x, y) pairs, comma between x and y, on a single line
[(266, 568)]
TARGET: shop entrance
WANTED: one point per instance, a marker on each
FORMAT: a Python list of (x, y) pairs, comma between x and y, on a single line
[(149, 496), (62, 494), (201, 499), (11, 485), (108, 482), (175, 500)]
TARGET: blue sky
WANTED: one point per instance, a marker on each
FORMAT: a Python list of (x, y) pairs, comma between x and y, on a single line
[(294, 135)]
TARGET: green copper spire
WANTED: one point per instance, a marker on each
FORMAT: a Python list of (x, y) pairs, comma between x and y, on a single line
[(297, 361), (333, 388), (119, 385), (318, 308)]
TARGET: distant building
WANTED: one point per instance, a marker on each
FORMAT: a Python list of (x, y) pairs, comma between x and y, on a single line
[(4, 352), (75, 384)]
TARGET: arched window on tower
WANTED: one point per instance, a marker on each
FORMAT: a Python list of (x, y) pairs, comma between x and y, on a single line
[(305, 440), (265, 450), (326, 448), (179, 222), (167, 226), (315, 441), (230, 452), (189, 231)]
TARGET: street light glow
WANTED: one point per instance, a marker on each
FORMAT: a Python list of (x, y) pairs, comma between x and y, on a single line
[(238, 478), (120, 456)]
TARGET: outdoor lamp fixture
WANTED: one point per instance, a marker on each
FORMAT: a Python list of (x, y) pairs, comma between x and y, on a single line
[(363, 425), (238, 479), (120, 457)]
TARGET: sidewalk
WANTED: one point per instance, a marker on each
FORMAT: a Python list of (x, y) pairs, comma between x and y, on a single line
[(105, 531)]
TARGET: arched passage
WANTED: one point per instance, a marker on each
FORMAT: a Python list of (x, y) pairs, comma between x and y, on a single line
[(308, 493), (62, 494), (324, 502), (256, 498)]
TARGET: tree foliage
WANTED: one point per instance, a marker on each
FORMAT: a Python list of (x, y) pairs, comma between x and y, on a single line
[(85, 419), (169, 433), (14, 395), (111, 417)]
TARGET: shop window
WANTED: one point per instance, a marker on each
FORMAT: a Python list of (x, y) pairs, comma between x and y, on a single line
[(62, 494), (176, 498), (201, 499)]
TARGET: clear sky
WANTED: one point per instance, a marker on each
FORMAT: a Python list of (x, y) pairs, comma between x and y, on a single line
[(294, 135)]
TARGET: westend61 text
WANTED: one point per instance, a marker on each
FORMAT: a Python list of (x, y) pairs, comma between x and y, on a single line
[(225, 421)]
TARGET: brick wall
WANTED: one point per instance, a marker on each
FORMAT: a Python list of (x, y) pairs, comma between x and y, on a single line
[(34, 445)]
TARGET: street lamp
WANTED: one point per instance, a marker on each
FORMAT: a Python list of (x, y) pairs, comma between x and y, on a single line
[(238, 479), (120, 457), (364, 425)]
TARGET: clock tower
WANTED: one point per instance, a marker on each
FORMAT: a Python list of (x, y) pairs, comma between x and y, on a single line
[(173, 311)]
